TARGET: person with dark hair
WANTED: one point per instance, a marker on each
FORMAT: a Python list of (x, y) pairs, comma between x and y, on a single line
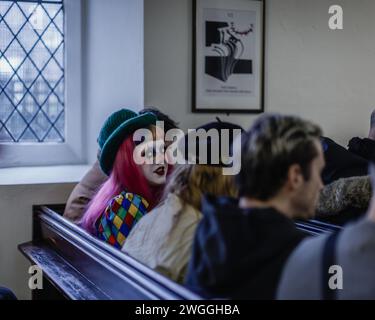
[(241, 246), (86, 189), (168, 122)]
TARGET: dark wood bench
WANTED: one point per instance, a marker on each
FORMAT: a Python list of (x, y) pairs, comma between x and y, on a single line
[(78, 266), (316, 227)]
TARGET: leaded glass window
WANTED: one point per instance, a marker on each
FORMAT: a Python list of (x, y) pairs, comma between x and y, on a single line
[(32, 71)]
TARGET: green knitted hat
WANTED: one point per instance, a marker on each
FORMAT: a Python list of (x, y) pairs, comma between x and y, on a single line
[(114, 131)]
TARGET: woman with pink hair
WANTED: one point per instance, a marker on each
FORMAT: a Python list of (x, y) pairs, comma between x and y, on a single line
[(132, 189)]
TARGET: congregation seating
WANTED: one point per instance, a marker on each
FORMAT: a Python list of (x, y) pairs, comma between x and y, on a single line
[(78, 266), (315, 227)]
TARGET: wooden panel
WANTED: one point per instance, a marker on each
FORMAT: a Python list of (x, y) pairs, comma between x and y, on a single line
[(78, 266), (72, 259), (68, 281)]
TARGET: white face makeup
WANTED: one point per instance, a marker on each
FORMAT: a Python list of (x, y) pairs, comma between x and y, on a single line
[(155, 173), (150, 156)]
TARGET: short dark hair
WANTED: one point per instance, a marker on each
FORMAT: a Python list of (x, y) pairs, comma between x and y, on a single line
[(269, 148), (168, 122)]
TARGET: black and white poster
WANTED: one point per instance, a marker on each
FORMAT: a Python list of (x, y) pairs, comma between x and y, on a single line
[(228, 56)]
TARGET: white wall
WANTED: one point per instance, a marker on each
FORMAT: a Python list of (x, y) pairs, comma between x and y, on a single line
[(113, 62), (323, 75), (15, 228)]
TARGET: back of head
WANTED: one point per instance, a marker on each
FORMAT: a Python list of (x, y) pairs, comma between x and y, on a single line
[(190, 181), (202, 171), (271, 145), (168, 122)]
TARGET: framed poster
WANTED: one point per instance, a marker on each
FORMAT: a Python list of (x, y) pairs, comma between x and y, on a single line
[(228, 56)]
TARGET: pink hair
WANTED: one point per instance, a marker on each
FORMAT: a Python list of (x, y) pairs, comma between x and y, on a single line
[(126, 175)]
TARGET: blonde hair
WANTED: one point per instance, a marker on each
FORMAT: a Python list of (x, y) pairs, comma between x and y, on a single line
[(190, 181)]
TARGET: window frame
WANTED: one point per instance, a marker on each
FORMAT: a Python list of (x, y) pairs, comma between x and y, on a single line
[(71, 150)]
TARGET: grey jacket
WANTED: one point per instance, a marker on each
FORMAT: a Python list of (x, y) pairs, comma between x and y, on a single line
[(355, 251)]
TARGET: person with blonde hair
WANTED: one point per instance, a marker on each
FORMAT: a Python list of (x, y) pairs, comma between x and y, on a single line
[(163, 239)]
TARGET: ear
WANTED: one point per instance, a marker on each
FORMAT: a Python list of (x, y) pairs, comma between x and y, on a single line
[(295, 178)]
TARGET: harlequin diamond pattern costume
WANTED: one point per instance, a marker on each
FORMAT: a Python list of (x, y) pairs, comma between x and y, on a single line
[(120, 216)]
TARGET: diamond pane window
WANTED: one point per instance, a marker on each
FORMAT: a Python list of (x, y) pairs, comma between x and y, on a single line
[(32, 105)]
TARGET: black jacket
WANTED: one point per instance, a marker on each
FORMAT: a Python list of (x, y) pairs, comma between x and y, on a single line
[(341, 163), (240, 253), (364, 148)]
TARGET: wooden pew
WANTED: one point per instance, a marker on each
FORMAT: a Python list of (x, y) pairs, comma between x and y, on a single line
[(78, 266), (316, 227)]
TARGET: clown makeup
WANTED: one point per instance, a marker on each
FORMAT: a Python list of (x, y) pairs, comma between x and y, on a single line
[(154, 166)]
